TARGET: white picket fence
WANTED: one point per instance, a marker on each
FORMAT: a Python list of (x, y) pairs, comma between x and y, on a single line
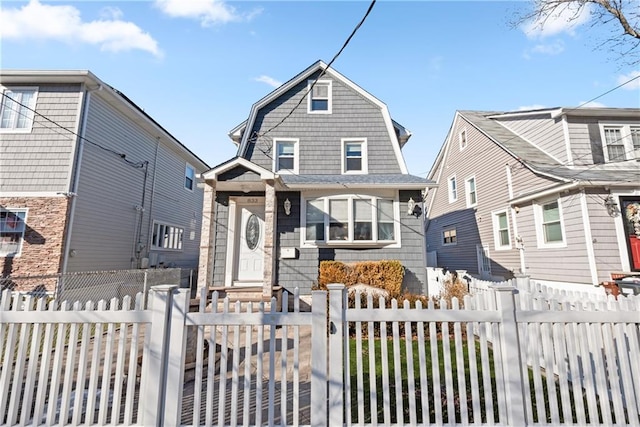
[(495, 358)]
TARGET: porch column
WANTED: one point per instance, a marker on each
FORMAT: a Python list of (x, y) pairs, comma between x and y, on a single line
[(270, 212), (205, 263)]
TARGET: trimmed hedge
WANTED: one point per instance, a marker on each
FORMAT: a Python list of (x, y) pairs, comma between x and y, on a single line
[(385, 274)]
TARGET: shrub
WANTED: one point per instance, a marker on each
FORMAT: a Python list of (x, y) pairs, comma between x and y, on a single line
[(385, 274), (453, 287)]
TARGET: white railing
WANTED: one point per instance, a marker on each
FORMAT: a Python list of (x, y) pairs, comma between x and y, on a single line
[(490, 359)]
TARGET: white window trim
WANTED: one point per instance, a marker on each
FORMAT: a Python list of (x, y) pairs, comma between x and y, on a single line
[(462, 133), (449, 193), (496, 230), (160, 248), (350, 243), (31, 107), (448, 228), (184, 184), (329, 83), (365, 156), (467, 190), (537, 214), (26, 215), (625, 139), (296, 156)]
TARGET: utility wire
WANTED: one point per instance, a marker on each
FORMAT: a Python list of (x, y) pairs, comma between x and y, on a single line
[(138, 165), (357, 27)]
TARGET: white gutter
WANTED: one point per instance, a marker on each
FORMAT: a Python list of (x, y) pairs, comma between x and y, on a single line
[(544, 193)]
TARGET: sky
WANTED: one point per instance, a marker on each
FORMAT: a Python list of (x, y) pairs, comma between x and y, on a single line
[(197, 67)]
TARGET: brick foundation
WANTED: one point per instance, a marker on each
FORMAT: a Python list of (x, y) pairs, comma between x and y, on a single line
[(43, 239)]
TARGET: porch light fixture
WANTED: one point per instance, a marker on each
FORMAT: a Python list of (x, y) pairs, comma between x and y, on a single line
[(287, 207), (411, 205), (611, 205)]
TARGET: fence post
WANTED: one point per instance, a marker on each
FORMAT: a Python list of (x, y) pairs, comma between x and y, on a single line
[(144, 291), (175, 356), (319, 359), (154, 357), (522, 282), (510, 356), (336, 353)]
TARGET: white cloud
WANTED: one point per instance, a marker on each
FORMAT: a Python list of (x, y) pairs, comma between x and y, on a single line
[(564, 20), (208, 12), (554, 48), (626, 77), (268, 80), (591, 104), (64, 23), (531, 107)]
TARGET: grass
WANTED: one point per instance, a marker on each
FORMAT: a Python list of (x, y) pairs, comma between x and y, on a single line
[(451, 404)]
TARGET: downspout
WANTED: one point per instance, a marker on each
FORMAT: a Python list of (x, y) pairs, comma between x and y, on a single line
[(153, 192), (86, 99), (138, 245), (514, 222)]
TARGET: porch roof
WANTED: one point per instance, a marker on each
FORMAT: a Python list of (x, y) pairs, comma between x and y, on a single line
[(397, 181)]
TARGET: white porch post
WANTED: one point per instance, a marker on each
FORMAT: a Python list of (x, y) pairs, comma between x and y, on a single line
[(205, 263), (270, 211)]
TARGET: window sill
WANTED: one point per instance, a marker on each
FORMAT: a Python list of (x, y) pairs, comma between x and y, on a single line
[(559, 245), (387, 244)]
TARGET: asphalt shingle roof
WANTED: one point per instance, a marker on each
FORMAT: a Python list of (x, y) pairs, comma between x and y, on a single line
[(364, 179)]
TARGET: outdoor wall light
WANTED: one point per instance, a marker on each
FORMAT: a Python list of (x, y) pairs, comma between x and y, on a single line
[(287, 207), (413, 208), (611, 205)]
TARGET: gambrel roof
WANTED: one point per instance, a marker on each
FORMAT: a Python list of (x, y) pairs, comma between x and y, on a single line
[(398, 134)]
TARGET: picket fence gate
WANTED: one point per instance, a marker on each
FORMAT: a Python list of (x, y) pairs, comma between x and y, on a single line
[(501, 357)]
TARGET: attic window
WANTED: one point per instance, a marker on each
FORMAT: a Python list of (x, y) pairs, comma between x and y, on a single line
[(319, 96)]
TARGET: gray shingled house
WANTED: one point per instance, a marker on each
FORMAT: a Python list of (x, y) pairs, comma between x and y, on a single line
[(553, 193), (89, 181), (318, 175)]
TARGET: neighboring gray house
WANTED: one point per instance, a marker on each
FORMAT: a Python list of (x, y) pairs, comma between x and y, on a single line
[(89, 181), (553, 193), (318, 175)]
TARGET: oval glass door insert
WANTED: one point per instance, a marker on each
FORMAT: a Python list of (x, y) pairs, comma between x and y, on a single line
[(252, 232)]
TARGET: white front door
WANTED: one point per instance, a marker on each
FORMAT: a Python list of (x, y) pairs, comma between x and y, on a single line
[(249, 242)]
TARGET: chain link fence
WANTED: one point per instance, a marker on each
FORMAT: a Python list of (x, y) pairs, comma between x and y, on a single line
[(98, 285)]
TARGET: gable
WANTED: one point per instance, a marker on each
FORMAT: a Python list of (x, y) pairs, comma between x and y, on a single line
[(239, 174), (354, 113)]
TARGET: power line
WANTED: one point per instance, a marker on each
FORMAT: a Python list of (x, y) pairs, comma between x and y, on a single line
[(138, 165), (357, 27)]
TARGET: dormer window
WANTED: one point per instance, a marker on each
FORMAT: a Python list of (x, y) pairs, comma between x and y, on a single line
[(354, 156), (320, 97)]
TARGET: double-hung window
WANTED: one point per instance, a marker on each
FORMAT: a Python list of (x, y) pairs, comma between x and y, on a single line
[(462, 139), (286, 158), (472, 195), (453, 189), (354, 156), (319, 97), (621, 142), (501, 230), (351, 219), (549, 227), (17, 111), (449, 236), (189, 177), (12, 228), (166, 236)]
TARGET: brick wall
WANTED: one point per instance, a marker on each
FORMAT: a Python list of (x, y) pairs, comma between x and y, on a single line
[(43, 238)]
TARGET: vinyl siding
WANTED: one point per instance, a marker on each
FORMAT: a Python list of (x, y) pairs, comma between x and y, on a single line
[(110, 190), (40, 161), (603, 233), (541, 130), (303, 271), (487, 162), (566, 264), (320, 135)]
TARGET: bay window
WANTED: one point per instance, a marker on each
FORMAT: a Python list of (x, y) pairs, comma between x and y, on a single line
[(350, 219)]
